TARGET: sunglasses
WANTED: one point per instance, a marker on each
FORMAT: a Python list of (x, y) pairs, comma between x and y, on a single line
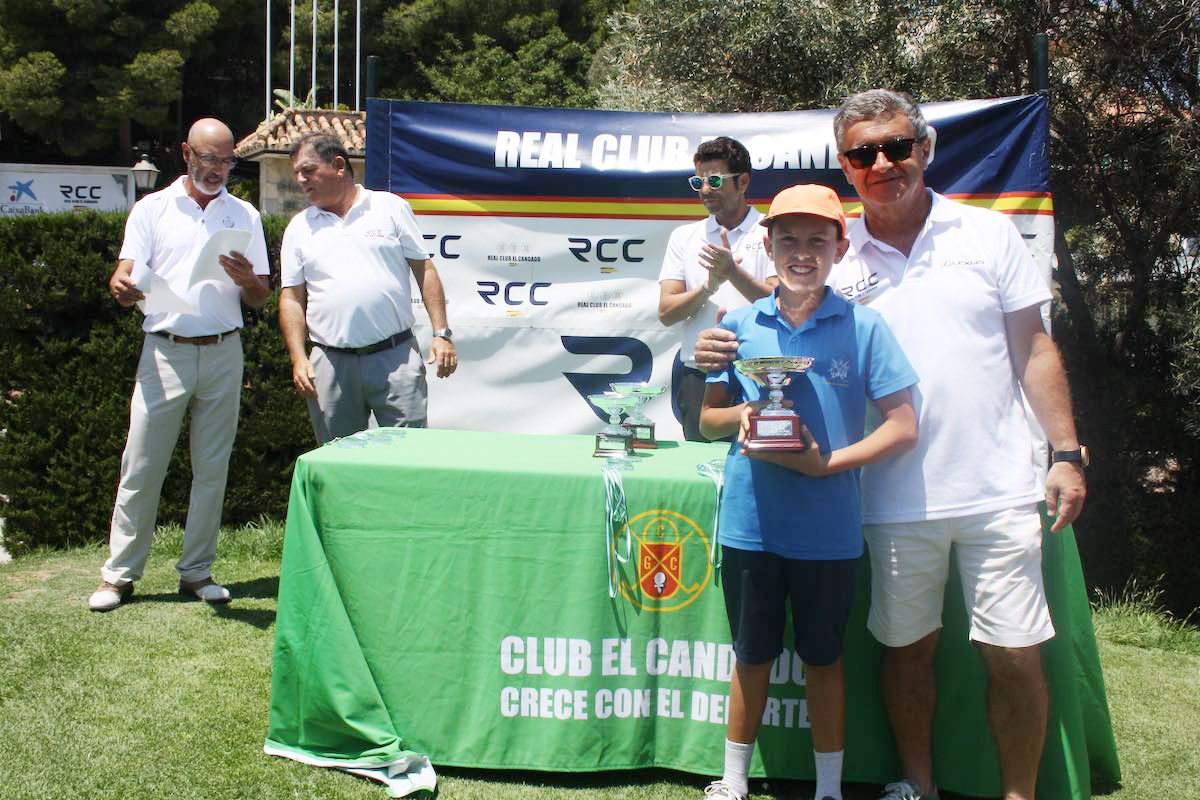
[(863, 156), (714, 181)]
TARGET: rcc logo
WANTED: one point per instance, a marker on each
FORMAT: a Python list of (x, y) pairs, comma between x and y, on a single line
[(512, 292), (604, 250), (441, 245), (81, 194)]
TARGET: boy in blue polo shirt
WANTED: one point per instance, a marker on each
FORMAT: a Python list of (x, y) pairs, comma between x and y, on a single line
[(790, 522)]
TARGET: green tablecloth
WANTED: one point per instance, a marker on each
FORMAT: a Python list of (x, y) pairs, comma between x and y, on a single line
[(447, 593)]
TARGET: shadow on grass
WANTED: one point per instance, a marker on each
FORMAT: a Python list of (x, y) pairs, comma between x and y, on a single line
[(781, 789), (261, 618), (164, 597), (257, 589), (577, 780)]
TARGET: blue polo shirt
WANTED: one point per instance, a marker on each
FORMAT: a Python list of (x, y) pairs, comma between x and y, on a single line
[(856, 358)]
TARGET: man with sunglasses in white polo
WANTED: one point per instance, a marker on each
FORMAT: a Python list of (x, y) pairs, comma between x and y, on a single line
[(717, 262), (961, 293), (190, 362)]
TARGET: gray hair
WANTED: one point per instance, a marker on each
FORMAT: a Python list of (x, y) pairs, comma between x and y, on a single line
[(326, 146), (875, 103)]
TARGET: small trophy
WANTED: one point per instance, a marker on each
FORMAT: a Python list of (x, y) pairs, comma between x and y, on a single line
[(640, 425), (774, 427), (613, 440)]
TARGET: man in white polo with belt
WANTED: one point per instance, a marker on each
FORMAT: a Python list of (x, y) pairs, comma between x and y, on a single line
[(188, 362), (346, 262)]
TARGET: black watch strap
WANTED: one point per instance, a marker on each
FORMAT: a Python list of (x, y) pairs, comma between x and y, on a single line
[(1080, 456)]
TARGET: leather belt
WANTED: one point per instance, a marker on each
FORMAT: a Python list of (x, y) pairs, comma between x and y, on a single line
[(215, 338), (366, 350)]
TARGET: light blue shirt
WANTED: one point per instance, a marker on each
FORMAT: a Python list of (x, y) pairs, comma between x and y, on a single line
[(856, 359)]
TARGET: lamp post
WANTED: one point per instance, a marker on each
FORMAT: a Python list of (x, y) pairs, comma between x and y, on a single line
[(145, 174)]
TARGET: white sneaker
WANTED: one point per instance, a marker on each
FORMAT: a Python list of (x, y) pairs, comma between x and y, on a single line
[(720, 790), (109, 596), (904, 790), (207, 590)]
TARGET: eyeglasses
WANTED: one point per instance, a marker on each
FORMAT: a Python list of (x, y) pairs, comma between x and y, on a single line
[(209, 160), (714, 181), (864, 156)]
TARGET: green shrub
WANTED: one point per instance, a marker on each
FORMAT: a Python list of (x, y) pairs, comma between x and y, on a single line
[(1136, 616), (68, 355)]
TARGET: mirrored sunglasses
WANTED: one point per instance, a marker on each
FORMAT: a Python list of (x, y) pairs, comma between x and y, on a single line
[(714, 181)]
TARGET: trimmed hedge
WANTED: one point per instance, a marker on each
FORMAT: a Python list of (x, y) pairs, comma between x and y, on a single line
[(67, 360), (68, 355)]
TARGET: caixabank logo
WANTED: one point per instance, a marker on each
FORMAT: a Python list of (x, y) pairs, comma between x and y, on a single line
[(672, 568), (21, 199), (21, 189)]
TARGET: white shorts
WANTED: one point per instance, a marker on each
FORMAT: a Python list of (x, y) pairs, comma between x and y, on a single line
[(999, 561)]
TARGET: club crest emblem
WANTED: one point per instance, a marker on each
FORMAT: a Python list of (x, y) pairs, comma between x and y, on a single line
[(658, 568), (839, 370), (672, 568)]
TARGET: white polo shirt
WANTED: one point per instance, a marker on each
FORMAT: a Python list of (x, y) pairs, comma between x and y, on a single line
[(946, 302), (682, 263), (167, 230), (355, 270)]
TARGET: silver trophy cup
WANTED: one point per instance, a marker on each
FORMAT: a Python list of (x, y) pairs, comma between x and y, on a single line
[(637, 422), (613, 440), (774, 427)]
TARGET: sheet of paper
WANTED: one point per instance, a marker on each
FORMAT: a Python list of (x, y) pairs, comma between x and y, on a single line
[(160, 298), (207, 267)]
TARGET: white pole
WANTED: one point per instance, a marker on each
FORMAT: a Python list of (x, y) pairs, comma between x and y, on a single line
[(267, 111), (335, 52), (313, 57), (357, 47), (292, 59)]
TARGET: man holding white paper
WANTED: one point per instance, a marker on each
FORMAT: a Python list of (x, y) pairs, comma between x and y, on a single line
[(192, 255)]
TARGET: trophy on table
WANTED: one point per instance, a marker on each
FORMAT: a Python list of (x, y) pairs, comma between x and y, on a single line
[(613, 440), (774, 427), (640, 425)]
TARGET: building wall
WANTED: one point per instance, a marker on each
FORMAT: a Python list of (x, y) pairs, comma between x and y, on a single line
[(278, 193)]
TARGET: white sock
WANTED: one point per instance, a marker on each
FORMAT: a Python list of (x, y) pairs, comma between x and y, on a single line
[(737, 766), (829, 774)]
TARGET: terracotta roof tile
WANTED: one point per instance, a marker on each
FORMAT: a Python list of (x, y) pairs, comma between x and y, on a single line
[(281, 131)]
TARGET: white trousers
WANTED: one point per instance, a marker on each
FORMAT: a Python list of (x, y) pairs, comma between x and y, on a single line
[(172, 378)]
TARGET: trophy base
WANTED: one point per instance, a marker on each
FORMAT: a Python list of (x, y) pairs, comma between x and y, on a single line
[(610, 446), (642, 436), (775, 433)]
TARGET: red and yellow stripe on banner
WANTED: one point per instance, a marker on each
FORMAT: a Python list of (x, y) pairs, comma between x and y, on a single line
[(662, 208)]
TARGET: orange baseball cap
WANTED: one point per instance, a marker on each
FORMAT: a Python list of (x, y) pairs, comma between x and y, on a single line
[(807, 198)]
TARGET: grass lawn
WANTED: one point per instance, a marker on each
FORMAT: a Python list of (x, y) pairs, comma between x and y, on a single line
[(167, 698)]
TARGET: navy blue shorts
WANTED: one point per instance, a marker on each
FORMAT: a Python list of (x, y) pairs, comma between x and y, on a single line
[(757, 588)]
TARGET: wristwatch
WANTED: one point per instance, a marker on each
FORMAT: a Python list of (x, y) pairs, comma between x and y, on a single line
[(1081, 456), (444, 333)]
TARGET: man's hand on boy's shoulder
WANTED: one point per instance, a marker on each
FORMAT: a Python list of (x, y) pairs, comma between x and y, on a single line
[(715, 347)]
